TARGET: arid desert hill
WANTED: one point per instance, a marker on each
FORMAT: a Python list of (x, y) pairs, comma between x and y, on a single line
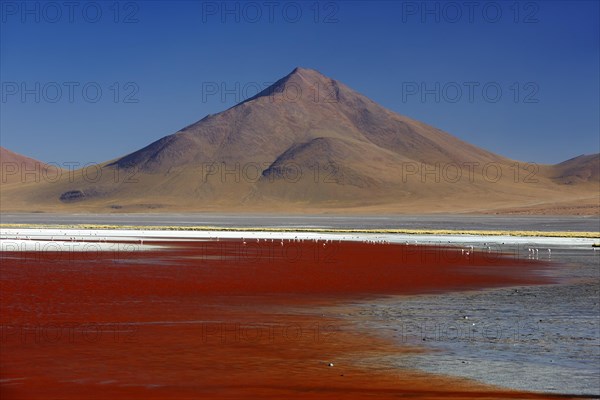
[(310, 143), (577, 170), (17, 168)]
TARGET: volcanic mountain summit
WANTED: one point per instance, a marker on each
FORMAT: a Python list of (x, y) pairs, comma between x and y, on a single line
[(309, 142), (303, 113)]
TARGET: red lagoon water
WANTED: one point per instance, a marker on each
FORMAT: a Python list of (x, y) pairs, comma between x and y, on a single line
[(225, 319)]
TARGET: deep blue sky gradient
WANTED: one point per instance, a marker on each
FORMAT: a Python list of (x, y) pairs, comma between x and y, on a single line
[(170, 51)]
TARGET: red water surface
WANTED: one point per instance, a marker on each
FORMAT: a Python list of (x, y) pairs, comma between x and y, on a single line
[(225, 319)]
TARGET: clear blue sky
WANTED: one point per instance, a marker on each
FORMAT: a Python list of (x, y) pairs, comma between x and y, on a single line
[(161, 55)]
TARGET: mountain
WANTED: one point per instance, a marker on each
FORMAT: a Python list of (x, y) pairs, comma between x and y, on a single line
[(581, 169), (17, 168), (310, 143)]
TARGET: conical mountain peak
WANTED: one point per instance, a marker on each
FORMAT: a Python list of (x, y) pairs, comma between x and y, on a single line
[(308, 78), (300, 70), (309, 139), (308, 73), (301, 83)]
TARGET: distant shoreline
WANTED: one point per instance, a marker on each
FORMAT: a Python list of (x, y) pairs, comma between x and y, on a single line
[(205, 228)]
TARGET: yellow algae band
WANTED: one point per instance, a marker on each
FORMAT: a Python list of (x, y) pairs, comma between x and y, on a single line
[(566, 234)]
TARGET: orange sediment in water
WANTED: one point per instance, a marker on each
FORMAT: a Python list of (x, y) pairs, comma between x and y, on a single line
[(224, 319)]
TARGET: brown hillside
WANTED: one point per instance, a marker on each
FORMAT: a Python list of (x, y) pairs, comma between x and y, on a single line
[(310, 143)]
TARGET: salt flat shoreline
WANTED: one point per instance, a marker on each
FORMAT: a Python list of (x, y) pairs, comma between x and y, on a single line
[(39, 239), (461, 222)]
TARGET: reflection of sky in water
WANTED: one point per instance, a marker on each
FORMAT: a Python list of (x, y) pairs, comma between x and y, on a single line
[(544, 338)]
